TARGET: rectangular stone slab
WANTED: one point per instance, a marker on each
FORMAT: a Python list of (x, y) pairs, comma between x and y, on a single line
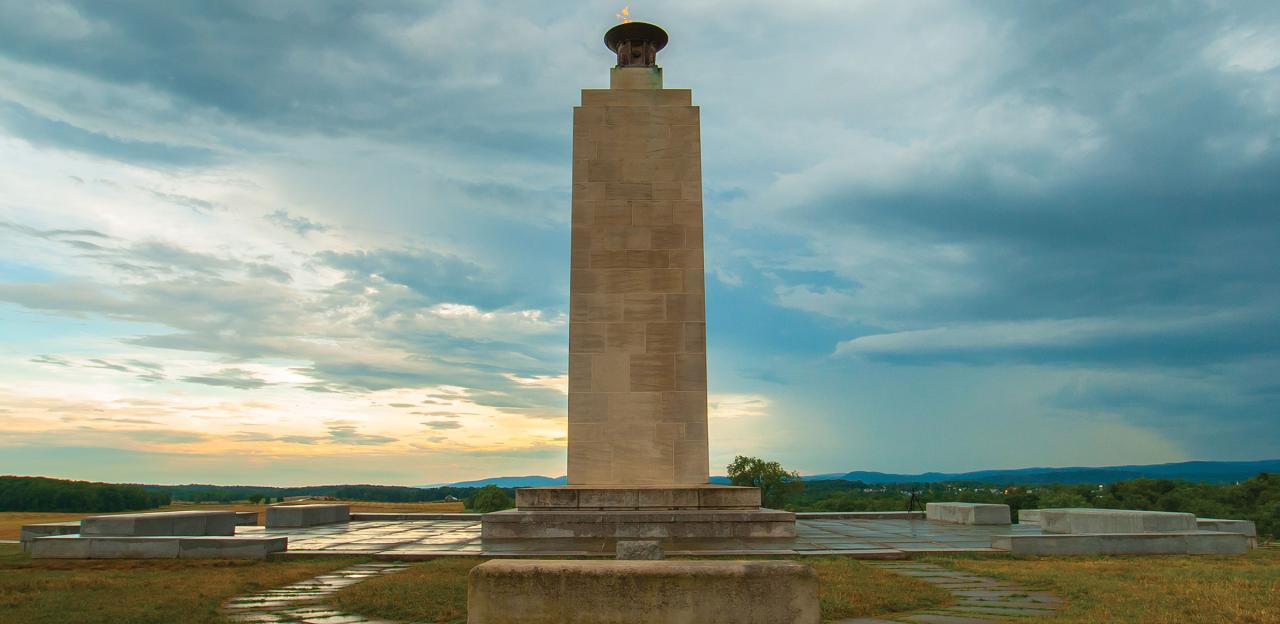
[(1080, 521), (1186, 543), (161, 523), (246, 518), (624, 592), (967, 513), (156, 547), (293, 516), (45, 529)]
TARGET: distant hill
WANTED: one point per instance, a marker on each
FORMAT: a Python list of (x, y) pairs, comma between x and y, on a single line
[(1206, 471), (510, 482)]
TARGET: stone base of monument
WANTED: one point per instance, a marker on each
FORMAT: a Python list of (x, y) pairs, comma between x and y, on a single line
[(1243, 527), (659, 512), (624, 592), (636, 498), (670, 524)]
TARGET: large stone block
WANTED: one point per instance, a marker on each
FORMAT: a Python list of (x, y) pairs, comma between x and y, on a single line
[(156, 547), (1089, 521), (279, 516), (968, 513), (30, 532), (624, 592), (161, 523), (1168, 543)]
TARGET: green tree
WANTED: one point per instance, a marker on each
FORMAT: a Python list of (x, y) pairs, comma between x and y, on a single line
[(775, 482), (489, 498), (254, 499)]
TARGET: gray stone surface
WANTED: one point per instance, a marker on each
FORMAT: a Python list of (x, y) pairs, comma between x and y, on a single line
[(646, 550), (156, 547), (246, 518), (306, 515), (1243, 527), (622, 592), (160, 524), (1028, 516), (749, 524), (1166, 543), (569, 498), (968, 513), (45, 529), (859, 515), (1093, 521)]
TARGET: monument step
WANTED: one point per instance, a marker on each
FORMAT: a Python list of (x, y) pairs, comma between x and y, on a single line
[(638, 498)]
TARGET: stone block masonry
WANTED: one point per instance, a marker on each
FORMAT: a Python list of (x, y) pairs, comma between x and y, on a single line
[(967, 513), (637, 327), (624, 592), (306, 515)]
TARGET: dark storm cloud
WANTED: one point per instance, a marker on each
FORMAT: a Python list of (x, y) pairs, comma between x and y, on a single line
[(1143, 199)]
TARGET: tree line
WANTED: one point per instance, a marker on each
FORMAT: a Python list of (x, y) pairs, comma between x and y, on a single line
[(44, 494)]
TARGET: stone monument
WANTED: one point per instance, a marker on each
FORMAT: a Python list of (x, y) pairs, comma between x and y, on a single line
[(638, 464)]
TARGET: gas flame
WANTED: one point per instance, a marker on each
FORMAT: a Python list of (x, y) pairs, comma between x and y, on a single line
[(624, 15)]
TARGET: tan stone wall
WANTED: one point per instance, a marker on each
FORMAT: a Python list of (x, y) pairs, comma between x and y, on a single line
[(637, 328)]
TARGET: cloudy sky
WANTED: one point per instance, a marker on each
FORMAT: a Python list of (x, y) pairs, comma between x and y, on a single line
[(322, 242)]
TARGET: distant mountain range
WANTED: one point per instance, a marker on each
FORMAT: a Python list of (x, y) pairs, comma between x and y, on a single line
[(1206, 471)]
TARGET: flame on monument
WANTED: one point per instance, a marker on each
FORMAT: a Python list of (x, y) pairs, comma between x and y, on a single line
[(624, 15)]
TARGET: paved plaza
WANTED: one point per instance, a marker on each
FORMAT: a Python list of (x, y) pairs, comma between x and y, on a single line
[(409, 539)]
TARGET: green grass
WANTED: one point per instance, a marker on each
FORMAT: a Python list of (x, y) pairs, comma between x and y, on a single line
[(104, 591), (1184, 589), (436, 591)]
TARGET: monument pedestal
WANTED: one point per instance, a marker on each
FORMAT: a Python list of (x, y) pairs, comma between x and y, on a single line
[(661, 512)]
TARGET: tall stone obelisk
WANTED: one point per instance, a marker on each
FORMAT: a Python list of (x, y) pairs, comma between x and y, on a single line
[(637, 326)]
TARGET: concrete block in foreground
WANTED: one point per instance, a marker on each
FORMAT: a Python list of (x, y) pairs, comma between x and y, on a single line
[(246, 518), (967, 513), (292, 516), (1189, 543), (1090, 521), (625, 592), (160, 523), (1028, 516)]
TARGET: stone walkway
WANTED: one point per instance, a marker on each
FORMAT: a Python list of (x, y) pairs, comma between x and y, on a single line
[(303, 602), (979, 599)]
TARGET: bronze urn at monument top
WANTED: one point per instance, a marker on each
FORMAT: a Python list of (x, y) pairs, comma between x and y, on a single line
[(637, 460)]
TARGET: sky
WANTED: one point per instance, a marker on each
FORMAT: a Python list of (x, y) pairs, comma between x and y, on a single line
[(307, 242)]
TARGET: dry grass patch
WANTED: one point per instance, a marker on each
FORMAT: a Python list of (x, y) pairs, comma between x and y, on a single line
[(11, 521), (1243, 589), (436, 591), (142, 592)]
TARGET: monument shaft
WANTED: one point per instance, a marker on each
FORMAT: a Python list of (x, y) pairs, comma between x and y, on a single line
[(637, 326)]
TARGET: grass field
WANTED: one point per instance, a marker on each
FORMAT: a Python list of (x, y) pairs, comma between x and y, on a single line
[(11, 521), (1244, 590), (54, 591), (436, 591)]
